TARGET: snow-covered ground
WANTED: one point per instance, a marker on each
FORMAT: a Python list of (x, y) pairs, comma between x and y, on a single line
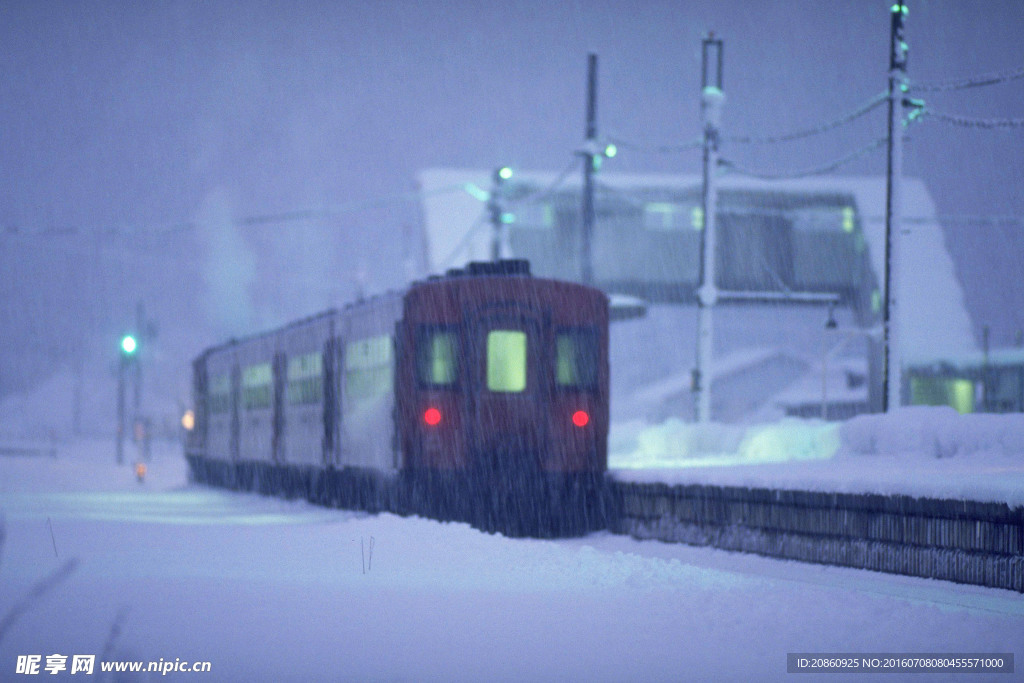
[(920, 451), (266, 589)]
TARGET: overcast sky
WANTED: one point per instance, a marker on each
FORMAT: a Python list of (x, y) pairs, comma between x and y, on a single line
[(137, 113)]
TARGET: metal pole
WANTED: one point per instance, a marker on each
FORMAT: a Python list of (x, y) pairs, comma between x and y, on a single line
[(140, 327), (590, 151), (712, 99), (120, 408), (494, 208), (499, 241), (891, 363)]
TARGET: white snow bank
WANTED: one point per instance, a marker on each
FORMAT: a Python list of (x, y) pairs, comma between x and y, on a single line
[(919, 451), (939, 432)]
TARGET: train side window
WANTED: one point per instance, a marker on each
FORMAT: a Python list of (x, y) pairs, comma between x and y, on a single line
[(437, 357), (257, 386), (305, 379), (506, 360), (218, 399), (576, 359), (368, 368)]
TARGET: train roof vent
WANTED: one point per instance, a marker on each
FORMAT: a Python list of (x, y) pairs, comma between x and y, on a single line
[(503, 267)]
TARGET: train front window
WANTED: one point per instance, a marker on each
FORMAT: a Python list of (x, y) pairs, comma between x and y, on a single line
[(506, 360), (437, 358), (576, 359)]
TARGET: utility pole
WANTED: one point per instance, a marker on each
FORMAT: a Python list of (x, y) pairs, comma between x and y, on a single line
[(891, 362), (712, 98), (589, 155)]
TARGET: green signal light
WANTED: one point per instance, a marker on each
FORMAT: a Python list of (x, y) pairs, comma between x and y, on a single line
[(128, 344), (504, 172), (611, 150)]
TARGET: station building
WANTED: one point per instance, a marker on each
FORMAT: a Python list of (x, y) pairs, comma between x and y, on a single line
[(799, 267)]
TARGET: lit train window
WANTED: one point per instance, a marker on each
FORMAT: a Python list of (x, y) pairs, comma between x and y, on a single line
[(305, 379), (506, 360), (368, 368), (576, 359), (257, 386), (437, 357)]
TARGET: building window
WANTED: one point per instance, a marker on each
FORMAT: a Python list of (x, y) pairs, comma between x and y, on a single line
[(661, 216), (506, 361)]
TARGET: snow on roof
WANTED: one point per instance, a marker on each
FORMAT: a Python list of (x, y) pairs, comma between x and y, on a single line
[(933, 319)]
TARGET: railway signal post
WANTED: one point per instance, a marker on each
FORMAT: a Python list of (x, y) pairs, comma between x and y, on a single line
[(128, 348)]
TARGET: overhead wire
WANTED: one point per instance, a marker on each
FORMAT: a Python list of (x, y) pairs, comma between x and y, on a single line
[(971, 82), (868, 106), (656, 149), (818, 170), (541, 195), (966, 122)]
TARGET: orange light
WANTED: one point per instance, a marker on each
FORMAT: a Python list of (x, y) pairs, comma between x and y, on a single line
[(580, 418), (432, 416)]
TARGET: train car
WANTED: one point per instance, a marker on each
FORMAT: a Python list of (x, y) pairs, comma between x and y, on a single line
[(484, 389)]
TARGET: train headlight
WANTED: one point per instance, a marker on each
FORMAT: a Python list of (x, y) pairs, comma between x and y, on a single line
[(432, 416), (580, 418)]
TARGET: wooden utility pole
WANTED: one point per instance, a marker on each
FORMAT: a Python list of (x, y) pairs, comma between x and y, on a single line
[(589, 155), (891, 363)]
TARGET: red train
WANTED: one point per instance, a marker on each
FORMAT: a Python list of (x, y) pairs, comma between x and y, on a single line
[(481, 395)]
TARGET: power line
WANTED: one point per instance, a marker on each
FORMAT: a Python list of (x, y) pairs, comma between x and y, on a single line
[(819, 170), (965, 122), (546, 193), (818, 129), (972, 82), (868, 106), (256, 220), (647, 148)]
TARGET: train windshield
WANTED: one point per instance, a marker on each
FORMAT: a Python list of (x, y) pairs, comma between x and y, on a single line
[(437, 357), (576, 359), (506, 361)]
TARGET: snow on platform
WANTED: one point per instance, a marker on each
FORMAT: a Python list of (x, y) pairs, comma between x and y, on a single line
[(266, 589), (920, 452)]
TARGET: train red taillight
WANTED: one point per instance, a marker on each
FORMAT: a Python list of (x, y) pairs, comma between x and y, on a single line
[(580, 418), (432, 416)]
